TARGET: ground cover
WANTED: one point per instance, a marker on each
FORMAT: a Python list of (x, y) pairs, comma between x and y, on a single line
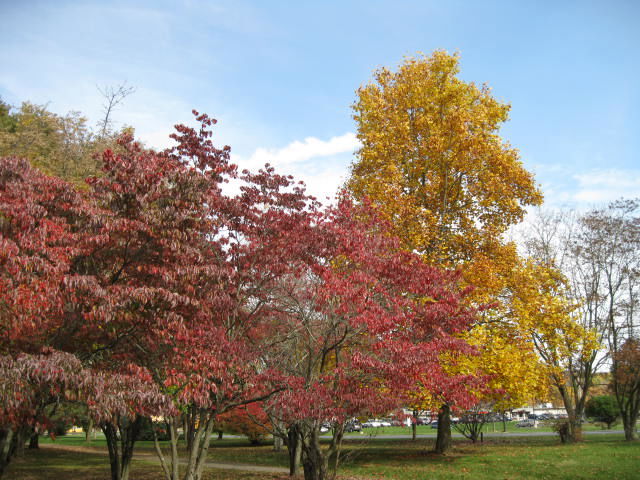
[(50, 464), (515, 458), (495, 427)]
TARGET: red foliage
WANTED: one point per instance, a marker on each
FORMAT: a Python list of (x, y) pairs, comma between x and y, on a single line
[(164, 285), (250, 420), (361, 320)]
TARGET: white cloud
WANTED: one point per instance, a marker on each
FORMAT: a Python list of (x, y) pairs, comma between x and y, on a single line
[(321, 164), (599, 186), (298, 152)]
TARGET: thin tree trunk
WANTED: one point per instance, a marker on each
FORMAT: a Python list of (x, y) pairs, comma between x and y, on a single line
[(336, 448), (121, 438), (87, 434), (111, 434), (201, 440), (163, 464), (414, 426), (173, 437), (277, 443), (294, 449)]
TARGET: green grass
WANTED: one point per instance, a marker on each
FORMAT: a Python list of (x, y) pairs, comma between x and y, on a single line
[(515, 458), (488, 428), (522, 458)]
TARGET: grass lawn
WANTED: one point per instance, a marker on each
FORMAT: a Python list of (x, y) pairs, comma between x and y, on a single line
[(47, 464), (602, 456), (496, 427)]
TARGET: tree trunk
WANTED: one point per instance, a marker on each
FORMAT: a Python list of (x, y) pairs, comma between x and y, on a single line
[(198, 454), (121, 438), (87, 433), (295, 450), (414, 426), (6, 448), (570, 431), (443, 439), (21, 436), (629, 424), (173, 472), (336, 448), (111, 434), (189, 422), (34, 441), (220, 433), (314, 461), (277, 443)]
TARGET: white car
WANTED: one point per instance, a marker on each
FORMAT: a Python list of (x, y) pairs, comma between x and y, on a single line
[(372, 424)]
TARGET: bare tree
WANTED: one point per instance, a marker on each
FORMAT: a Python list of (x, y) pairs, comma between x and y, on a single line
[(112, 96), (612, 245), (551, 242), (599, 253), (473, 420)]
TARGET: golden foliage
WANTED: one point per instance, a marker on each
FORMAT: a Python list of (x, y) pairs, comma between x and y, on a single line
[(434, 165), (432, 160), (543, 308)]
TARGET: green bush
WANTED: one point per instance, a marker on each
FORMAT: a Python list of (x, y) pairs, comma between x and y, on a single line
[(603, 408)]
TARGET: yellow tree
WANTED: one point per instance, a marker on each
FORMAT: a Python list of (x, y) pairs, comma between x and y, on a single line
[(541, 304), (57, 145), (60, 145), (433, 162)]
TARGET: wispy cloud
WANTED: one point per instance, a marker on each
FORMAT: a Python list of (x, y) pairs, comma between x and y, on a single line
[(302, 151), (321, 164), (604, 185)]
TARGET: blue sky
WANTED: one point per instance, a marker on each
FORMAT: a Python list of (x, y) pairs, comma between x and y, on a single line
[(280, 76)]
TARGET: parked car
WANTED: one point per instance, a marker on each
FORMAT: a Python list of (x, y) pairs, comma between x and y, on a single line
[(385, 423), (434, 424), (371, 424), (526, 424), (354, 426)]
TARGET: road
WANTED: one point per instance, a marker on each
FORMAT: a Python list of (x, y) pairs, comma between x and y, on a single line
[(524, 433)]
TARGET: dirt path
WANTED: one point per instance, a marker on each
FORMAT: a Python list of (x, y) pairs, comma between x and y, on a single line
[(150, 457)]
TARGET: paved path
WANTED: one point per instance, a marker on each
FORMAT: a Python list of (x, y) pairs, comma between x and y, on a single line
[(526, 433)]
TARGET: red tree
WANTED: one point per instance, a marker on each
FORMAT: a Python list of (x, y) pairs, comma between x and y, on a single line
[(183, 274), (37, 244), (157, 279), (361, 321), (52, 302)]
